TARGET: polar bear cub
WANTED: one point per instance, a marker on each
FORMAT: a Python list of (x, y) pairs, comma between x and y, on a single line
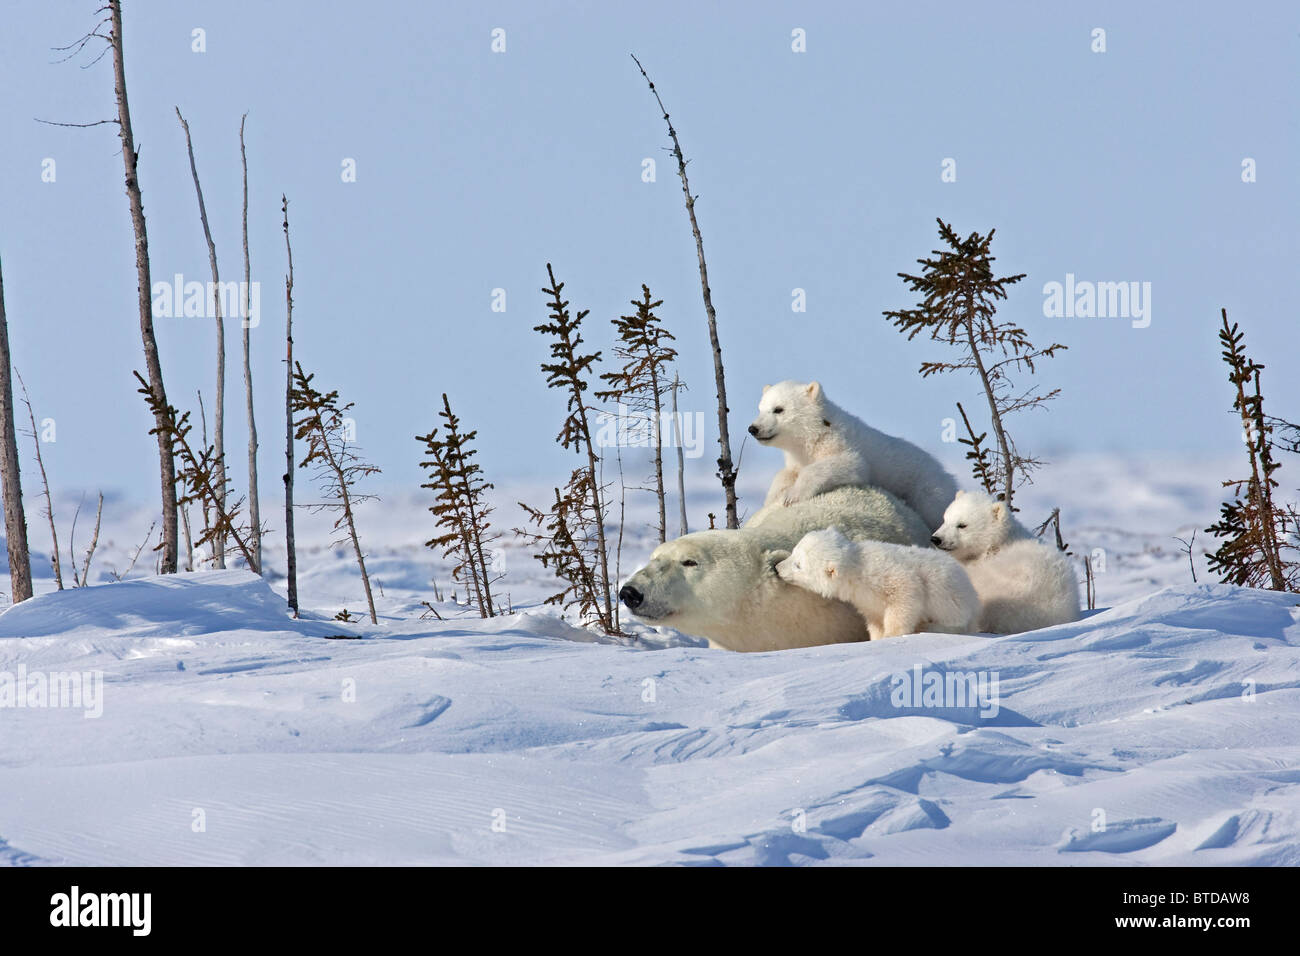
[(1022, 584), (826, 447), (898, 589)]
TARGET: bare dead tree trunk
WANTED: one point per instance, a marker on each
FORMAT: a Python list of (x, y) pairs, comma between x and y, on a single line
[(45, 485), (130, 159), (20, 564), (726, 470), (622, 523), (254, 508), (292, 559), (72, 541), (94, 543), (189, 539), (681, 458), (659, 456), (203, 438), (219, 410)]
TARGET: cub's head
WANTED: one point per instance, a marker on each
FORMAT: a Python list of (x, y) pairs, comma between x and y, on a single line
[(817, 562), (789, 414), (698, 581), (972, 525)]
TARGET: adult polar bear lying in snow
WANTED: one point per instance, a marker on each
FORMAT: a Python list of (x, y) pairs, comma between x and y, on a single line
[(722, 585), (826, 447), (1022, 584)]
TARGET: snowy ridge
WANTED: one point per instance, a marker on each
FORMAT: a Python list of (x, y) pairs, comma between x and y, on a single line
[(1174, 717)]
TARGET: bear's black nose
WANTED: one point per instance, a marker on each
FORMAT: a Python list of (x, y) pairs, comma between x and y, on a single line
[(753, 430), (936, 540), (631, 596)]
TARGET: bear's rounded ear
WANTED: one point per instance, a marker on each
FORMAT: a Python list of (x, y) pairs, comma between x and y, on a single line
[(766, 389), (814, 389)]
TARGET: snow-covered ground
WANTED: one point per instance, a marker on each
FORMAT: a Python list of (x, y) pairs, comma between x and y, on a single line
[(1163, 729)]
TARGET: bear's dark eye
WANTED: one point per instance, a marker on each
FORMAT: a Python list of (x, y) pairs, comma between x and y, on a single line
[(777, 411), (688, 563), (961, 526)]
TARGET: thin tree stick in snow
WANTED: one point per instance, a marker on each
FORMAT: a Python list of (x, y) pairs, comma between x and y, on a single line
[(1187, 549), (622, 523), (203, 437), (20, 565), (136, 557), (94, 542), (45, 486), (72, 541), (254, 507), (218, 413), (681, 457), (726, 472), (189, 540), (292, 557), (144, 288)]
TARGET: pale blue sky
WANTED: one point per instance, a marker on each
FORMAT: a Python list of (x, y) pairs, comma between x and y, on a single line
[(817, 170)]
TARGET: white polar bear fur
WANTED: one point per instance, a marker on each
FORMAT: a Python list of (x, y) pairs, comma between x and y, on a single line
[(898, 589), (826, 447), (1022, 584), (869, 514), (731, 594)]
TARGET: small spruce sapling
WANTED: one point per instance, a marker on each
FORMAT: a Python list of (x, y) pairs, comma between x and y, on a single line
[(197, 478), (1260, 539), (958, 308), (572, 530), (323, 425), (461, 508), (642, 383)]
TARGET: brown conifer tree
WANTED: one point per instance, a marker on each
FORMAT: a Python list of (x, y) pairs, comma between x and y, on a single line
[(642, 383), (462, 508), (573, 528), (958, 308), (322, 424), (1261, 539)]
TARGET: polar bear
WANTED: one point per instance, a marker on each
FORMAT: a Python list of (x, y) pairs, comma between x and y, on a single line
[(862, 513), (1023, 584), (898, 589), (722, 585), (826, 447)]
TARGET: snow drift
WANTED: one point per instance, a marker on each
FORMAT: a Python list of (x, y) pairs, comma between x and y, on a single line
[(1165, 730)]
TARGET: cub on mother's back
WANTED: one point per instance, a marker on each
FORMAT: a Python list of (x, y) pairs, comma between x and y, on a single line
[(826, 447)]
